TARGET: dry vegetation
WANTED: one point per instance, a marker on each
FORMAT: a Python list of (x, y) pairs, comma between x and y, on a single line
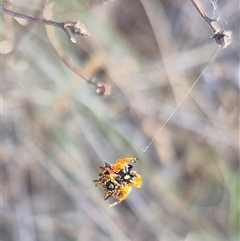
[(56, 130)]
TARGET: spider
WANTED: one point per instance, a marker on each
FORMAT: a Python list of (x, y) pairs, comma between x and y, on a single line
[(118, 179)]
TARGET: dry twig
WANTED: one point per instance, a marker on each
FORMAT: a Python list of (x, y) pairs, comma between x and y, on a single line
[(69, 28), (221, 37)]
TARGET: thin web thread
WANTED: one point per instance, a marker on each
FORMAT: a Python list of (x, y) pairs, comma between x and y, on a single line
[(144, 149), (217, 12)]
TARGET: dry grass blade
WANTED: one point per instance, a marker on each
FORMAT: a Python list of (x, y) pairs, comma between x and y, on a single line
[(57, 131)]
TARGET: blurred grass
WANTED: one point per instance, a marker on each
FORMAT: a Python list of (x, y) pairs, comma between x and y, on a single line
[(56, 130)]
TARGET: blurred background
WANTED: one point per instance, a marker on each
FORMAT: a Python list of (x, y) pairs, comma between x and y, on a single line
[(56, 130)]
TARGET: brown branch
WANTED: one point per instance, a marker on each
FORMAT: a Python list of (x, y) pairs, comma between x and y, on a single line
[(69, 28)]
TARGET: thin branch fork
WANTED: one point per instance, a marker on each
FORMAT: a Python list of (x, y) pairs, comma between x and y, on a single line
[(69, 28), (221, 37)]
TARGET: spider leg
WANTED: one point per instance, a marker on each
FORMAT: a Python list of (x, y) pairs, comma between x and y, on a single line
[(124, 192), (114, 204)]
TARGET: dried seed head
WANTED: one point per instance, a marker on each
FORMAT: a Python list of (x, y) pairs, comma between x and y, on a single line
[(103, 89), (223, 38)]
